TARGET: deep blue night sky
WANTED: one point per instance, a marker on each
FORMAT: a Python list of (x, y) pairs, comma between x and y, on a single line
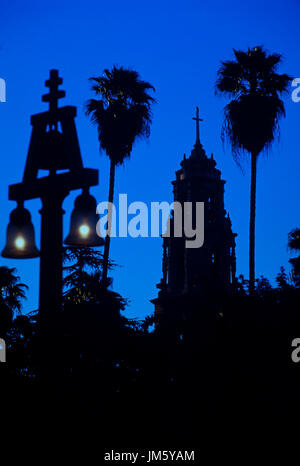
[(177, 46)]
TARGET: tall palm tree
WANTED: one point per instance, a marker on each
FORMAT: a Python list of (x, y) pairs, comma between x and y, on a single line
[(122, 114), (251, 118)]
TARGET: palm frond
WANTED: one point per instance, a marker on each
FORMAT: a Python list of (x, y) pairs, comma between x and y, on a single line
[(12, 292), (251, 118), (123, 111)]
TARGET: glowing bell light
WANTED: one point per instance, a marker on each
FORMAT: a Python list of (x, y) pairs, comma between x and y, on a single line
[(83, 222), (20, 241)]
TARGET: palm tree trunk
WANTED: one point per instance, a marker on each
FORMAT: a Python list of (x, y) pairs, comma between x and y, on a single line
[(109, 219), (252, 225)]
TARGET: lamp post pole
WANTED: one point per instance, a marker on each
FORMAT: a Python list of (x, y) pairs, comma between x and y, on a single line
[(54, 147), (50, 294)]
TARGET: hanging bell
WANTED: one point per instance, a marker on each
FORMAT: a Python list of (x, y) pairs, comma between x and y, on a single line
[(20, 240), (83, 222)]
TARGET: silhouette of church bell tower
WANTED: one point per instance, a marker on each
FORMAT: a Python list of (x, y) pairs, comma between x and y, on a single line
[(210, 269)]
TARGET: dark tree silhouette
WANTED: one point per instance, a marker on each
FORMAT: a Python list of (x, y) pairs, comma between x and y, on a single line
[(252, 116), (294, 247), (122, 114), (11, 294), (82, 280), (80, 264)]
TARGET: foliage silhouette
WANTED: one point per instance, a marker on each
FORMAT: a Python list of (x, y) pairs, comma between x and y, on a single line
[(80, 264), (82, 281), (11, 294), (224, 359), (294, 247)]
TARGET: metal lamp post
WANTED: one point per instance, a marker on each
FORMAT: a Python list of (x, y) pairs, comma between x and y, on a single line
[(53, 146)]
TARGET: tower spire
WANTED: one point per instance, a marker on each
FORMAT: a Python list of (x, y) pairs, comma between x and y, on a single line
[(197, 119)]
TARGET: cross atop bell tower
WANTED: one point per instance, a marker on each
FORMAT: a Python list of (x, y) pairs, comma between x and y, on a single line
[(54, 93), (197, 119)]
